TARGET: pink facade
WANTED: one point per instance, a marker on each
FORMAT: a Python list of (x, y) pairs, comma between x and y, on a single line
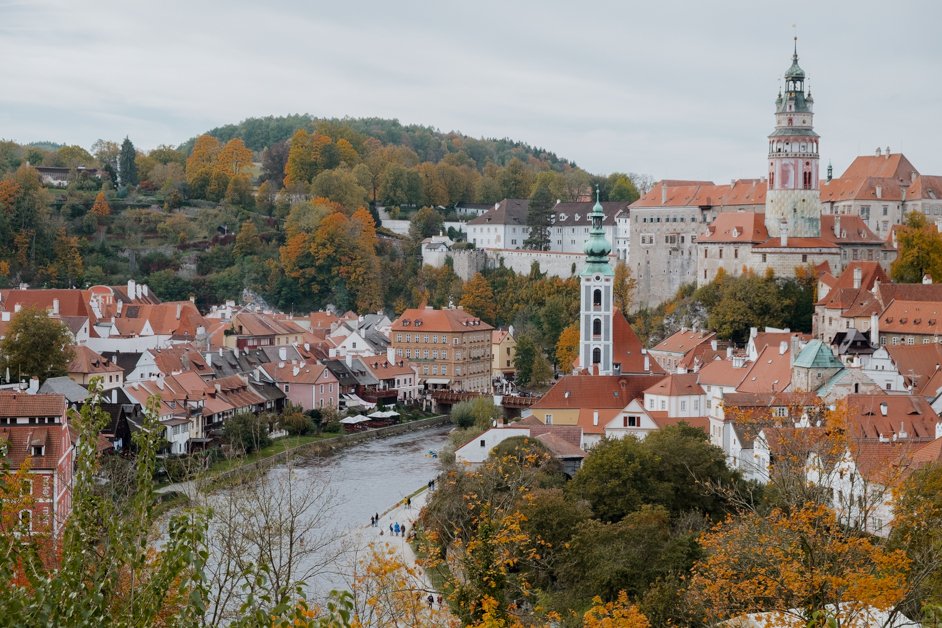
[(307, 385)]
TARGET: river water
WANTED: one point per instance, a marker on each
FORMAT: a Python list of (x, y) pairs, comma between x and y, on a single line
[(365, 479)]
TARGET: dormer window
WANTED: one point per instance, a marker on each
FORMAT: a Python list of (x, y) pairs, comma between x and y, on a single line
[(37, 450)]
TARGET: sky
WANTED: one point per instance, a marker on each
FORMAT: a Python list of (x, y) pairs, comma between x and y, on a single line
[(675, 90)]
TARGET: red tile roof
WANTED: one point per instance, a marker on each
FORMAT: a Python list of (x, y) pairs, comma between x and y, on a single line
[(843, 294), (17, 404), (676, 385), (684, 340), (670, 193), (925, 188), (453, 320), (737, 228), (595, 392), (917, 363), (627, 348), (771, 372), (87, 362), (721, 373), (912, 317), (889, 165), (891, 417), (20, 439)]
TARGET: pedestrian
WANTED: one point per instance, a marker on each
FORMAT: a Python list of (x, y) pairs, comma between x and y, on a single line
[(397, 528), (403, 530), (439, 601), (390, 529), (430, 600), (408, 502), (372, 521), (376, 516)]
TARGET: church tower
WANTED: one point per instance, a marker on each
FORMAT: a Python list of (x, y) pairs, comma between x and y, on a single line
[(597, 300), (793, 202)]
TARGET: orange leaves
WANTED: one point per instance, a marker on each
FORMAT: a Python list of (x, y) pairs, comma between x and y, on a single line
[(101, 208), (618, 614), (478, 298), (567, 349), (795, 562)]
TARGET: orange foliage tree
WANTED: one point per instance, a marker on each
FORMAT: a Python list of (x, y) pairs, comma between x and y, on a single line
[(797, 565), (567, 349)]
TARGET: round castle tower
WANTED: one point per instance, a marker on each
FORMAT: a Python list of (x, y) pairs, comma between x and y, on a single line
[(793, 202)]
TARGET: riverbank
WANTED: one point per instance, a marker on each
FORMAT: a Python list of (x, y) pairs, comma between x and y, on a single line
[(251, 466)]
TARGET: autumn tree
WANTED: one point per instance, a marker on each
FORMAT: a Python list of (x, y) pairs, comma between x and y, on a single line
[(478, 298), (341, 186), (425, 223), (35, 345), (567, 349), (799, 565), (127, 164), (201, 164), (623, 287), (920, 250)]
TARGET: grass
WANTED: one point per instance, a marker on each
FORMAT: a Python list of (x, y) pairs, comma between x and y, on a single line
[(278, 446)]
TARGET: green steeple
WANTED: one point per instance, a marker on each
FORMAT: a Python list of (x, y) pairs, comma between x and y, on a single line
[(795, 72), (597, 248)]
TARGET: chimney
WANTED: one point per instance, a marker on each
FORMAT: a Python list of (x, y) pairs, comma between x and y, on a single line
[(858, 277), (782, 347), (114, 395), (282, 353), (120, 306), (209, 360), (145, 289), (595, 417), (874, 330), (33, 386), (295, 370), (878, 151), (55, 306), (647, 363), (879, 191), (887, 152), (713, 345), (132, 286), (729, 352), (883, 408), (17, 307), (179, 310)]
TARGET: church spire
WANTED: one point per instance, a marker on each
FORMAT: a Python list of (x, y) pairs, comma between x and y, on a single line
[(597, 248)]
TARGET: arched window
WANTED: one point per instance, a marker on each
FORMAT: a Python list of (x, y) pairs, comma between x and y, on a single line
[(597, 298), (597, 327), (596, 355)]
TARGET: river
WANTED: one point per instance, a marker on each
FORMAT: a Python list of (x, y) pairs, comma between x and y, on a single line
[(363, 479)]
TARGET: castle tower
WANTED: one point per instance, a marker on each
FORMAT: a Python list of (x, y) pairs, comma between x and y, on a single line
[(597, 300), (793, 201)]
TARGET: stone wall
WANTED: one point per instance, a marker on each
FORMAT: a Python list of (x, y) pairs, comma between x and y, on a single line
[(467, 262), (553, 264)]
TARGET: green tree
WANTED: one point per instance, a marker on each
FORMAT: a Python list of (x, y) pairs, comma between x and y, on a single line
[(539, 211), (515, 180), (35, 346), (479, 412), (524, 358), (246, 432), (621, 188), (127, 164), (675, 467), (341, 186), (920, 251), (425, 223), (917, 530)]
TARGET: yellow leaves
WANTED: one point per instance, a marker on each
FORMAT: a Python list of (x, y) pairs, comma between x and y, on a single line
[(478, 298), (101, 208)]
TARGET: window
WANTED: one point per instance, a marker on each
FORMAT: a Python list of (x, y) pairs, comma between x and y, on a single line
[(596, 298), (910, 340), (548, 419), (629, 421), (322, 389), (26, 487), (444, 354), (26, 518), (398, 337), (483, 444), (444, 370), (663, 404), (597, 327), (37, 450), (683, 405), (596, 356)]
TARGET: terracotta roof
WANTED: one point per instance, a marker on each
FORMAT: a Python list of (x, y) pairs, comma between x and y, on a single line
[(889, 165), (179, 358), (891, 417), (925, 187), (586, 420), (843, 294), (847, 229), (771, 372), (930, 453), (571, 434), (559, 447), (888, 292), (17, 404), (300, 373), (919, 362), (20, 439), (454, 320), (510, 211), (662, 420), (595, 391), (71, 302), (382, 368), (875, 189), (912, 317), (88, 362), (744, 192), (498, 336), (881, 462), (676, 385), (770, 399), (737, 227), (721, 373), (627, 348), (261, 324), (684, 341), (163, 318), (322, 320)]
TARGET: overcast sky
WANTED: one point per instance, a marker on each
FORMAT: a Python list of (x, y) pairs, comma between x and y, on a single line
[(670, 89)]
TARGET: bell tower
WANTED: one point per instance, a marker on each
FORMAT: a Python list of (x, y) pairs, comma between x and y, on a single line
[(793, 201), (597, 300)]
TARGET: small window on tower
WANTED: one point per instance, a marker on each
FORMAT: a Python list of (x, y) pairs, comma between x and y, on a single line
[(597, 298), (596, 356)]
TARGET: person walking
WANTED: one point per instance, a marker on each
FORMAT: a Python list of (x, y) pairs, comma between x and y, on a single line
[(397, 528), (390, 529), (431, 600), (408, 502)]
